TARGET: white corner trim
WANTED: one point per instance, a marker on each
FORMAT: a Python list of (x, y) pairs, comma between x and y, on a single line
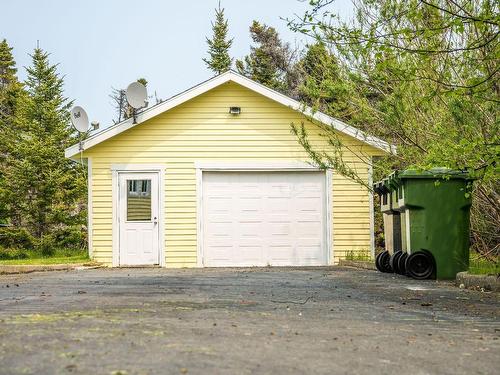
[(217, 81), (372, 209), (89, 209), (116, 169), (199, 218)]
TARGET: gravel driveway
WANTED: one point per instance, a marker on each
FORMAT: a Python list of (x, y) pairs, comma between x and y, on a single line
[(244, 321)]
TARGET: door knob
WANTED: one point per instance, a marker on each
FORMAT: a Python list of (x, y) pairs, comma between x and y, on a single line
[(155, 221)]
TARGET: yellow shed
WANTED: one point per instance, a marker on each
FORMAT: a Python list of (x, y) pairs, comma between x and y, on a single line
[(190, 184)]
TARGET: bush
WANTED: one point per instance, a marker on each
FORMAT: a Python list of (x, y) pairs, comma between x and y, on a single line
[(16, 238), (70, 238), (46, 245), (7, 254)]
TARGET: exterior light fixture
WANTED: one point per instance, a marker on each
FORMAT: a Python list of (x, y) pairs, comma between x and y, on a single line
[(235, 110)]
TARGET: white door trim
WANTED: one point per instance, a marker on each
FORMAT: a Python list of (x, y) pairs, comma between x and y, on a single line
[(116, 169), (260, 167)]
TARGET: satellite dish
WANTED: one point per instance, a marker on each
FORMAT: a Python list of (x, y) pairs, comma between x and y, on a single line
[(79, 119), (136, 95)]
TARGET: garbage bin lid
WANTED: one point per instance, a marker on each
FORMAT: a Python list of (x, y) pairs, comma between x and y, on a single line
[(380, 188), (434, 173), (377, 187), (393, 180)]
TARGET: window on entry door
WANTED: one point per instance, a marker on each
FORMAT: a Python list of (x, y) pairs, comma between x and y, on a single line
[(138, 200)]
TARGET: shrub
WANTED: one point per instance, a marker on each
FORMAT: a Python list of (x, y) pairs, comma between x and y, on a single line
[(46, 245), (6, 254), (16, 238), (70, 238)]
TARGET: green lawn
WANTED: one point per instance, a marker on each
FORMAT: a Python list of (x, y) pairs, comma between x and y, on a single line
[(54, 260)]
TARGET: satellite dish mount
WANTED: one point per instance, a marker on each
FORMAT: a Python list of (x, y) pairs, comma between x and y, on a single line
[(137, 95), (80, 121)]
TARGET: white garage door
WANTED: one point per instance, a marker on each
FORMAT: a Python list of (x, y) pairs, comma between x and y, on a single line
[(264, 218)]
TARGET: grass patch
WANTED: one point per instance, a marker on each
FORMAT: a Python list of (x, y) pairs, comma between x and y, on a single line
[(33, 257), (51, 260), (358, 255), (481, 266)]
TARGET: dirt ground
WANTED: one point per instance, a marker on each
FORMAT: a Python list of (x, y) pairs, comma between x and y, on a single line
[(244, 321)]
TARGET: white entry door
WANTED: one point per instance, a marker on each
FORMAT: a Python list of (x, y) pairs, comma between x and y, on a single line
[(138, 219), (264, 218)]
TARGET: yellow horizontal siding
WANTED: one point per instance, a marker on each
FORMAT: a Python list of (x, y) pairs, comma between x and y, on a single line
[(202, 129)]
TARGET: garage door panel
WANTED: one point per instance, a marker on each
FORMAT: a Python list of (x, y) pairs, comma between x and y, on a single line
[(220, 252), (219, 205), (281, 255), (250, 229), (281, 204), (309, 230), (310, 218), (280, 191), (218, 229), (250, 204), (279, 229), (264, 218), (278, 218), (308, 203), (248, 255)]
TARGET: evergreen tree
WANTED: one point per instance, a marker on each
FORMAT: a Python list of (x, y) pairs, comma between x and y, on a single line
[(7, 65), (272, 62), (11, 93), (219, 60), (324, 88), (44, 190), (10, 90)]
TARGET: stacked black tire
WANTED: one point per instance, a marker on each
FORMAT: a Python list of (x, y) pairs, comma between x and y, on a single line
[(419, 265)]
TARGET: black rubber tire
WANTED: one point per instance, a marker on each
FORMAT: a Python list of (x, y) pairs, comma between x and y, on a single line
[(420, 265), (384, 262), (394, 260), (402, 264), (377, 261)]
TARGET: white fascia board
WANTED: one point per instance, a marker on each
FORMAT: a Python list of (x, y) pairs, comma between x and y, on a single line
[(217, 81)]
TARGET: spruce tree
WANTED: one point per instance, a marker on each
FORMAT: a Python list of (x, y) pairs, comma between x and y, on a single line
[(11, 93), (7, 65), (10, 89), (324, 87), (45, 190), (219, 60), (270, 62)]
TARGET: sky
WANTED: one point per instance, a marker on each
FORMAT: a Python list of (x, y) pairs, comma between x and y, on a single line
[(100, 44)]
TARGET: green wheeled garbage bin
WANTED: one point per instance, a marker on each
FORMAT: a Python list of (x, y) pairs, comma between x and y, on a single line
[(436, 206)]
